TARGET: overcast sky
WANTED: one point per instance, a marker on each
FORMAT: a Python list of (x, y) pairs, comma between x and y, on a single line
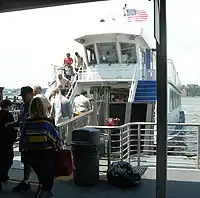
[(31, 40)]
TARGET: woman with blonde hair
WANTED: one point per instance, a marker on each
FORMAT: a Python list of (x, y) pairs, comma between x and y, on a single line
[(40, 139)]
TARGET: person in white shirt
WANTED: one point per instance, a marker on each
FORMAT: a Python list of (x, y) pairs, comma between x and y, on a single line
[(82, 103), (62, 108), (38, 93), (62, 82)]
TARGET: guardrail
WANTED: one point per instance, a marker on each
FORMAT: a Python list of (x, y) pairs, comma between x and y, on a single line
[(98, 74), (65, 128), (150, 74), (135, 143), (134, 84)]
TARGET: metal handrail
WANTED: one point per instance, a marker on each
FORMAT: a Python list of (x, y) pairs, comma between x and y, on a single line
[(134, 84), (145, 123), (74, 118)]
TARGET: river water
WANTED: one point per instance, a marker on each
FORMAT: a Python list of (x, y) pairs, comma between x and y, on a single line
[(191, 107)]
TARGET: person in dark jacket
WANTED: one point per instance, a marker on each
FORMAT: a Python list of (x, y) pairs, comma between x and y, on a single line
[(27, 96), (7, 138), (40, 139)]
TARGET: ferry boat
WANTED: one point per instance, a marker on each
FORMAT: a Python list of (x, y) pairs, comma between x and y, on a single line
[(121, 71)]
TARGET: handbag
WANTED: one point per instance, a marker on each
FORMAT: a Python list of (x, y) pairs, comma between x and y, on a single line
[(63, 164)]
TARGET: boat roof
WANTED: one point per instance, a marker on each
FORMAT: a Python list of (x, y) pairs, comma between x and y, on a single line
[(116, 28)]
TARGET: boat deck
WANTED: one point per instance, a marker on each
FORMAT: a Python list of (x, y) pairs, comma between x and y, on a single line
[(183, 183)]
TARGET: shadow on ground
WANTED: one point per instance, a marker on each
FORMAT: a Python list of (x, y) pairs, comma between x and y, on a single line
[(63, 189)]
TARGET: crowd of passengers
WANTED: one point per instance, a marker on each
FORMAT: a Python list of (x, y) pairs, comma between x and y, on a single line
[(72, 65), (38, 135)]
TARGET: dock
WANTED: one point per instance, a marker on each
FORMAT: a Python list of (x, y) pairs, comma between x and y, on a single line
[(183, 183)]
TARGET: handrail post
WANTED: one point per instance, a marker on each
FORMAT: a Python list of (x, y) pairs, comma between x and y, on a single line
[(198, 147), (138, 150), (121, 144), (128, 144), (109, 147)]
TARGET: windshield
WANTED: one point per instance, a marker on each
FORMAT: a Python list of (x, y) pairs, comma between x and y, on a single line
[(107, 52), (128, 53)]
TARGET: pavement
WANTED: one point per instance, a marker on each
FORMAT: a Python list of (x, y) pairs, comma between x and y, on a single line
[(63, 189), (181, 184)]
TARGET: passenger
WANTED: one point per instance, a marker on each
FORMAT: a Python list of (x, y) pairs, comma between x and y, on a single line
[(38, 93), (69, 71), (62, 108), (40, 139), (62, 82), (68, 59), (27, 96), (52, 99), (7, 138), (82, 103), (78, 62)]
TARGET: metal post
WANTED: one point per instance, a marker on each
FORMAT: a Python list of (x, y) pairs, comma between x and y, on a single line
[(139, 145), (107, 100), (94, 119), (121, 144), (129, 143), (161, 66)]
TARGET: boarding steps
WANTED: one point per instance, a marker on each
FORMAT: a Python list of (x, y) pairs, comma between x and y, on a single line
[(146, 91), (70, 93), (72, 88)]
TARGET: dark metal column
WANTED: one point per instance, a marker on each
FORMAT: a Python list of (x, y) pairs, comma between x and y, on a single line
[(161, 157)]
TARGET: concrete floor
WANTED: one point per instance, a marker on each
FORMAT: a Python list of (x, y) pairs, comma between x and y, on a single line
[(181, 183), (63, 189)]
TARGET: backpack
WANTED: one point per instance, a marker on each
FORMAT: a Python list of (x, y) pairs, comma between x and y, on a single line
[(121, 175)]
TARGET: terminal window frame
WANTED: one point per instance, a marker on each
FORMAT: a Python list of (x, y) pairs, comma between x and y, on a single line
[(107, 52), (91, 55), (126, 49)]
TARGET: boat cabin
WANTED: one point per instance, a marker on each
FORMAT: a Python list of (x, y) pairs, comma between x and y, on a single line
[(115, 57)]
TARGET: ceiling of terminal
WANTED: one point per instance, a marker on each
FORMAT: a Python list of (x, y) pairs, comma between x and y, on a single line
[(8, 6)]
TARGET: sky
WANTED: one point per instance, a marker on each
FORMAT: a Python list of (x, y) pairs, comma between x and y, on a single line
[(32, 40)]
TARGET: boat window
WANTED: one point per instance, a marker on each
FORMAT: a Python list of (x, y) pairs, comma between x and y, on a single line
[(107, 52), (91, 54), (128, 53), (175, 100)]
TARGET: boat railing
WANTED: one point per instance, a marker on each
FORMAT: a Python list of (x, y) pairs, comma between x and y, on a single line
[(150, 74), (135, 143), (98, 74), (65, 128), (173, 76), (134, 83), (74, 84)]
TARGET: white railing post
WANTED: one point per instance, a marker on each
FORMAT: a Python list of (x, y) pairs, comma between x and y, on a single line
[(138, 151), (198, 147), (109, 147), (134, 83), (129, 144), (121, 144)]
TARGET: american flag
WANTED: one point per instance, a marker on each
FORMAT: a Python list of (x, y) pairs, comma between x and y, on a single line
[(136, 15)]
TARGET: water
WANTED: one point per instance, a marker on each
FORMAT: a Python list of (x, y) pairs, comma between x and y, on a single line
[(191, 107)]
